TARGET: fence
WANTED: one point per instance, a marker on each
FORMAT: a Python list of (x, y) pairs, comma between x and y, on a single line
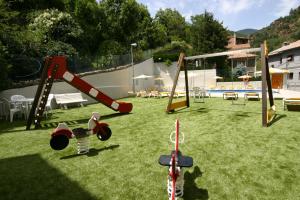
[(27, 70)]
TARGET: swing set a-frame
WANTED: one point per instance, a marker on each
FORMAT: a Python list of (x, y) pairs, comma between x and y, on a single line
[(267, 114)]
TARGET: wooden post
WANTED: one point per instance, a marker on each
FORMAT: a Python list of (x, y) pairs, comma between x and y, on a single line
[(264, 87), (179, 64), (186, 84)]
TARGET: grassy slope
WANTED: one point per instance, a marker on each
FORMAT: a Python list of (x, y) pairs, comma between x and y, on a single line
[(234, 157)]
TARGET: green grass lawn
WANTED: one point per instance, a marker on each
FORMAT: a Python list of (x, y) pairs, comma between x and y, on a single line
[(234, 157)]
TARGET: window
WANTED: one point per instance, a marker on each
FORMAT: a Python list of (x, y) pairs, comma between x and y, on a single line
[(291, 76), (290, 58)]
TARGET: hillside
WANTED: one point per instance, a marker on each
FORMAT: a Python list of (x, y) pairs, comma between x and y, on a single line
[(247, 31), (281, 30)]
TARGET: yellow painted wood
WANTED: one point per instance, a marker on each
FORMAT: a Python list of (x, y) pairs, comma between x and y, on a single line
[(176, 105)]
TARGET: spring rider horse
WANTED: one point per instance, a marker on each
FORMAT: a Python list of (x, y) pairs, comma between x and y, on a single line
[(61, 135)]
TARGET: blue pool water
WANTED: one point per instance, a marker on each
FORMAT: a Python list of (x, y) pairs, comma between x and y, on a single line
[(239, 91)]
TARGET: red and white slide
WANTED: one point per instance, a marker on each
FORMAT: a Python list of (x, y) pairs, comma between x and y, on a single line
[(74, 80)]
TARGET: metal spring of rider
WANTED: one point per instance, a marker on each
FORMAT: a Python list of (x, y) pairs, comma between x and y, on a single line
[(82, 145), (179, 183)]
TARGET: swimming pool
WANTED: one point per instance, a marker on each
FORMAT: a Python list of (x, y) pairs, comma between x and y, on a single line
[(239, 91)]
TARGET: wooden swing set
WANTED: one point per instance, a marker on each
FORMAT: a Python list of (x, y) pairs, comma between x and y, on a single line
[(267, 114)]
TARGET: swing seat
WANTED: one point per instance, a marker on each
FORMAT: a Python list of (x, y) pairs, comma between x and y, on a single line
[(270, 115), (292, 104), (230, 95), (183, 161), (252, 96), (176, 105)]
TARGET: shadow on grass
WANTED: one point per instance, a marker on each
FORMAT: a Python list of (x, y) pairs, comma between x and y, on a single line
[(81, 121), (244, 114), (92, 152), (31, 177), (277, 118), (183, 110), (191, 191), (7, 127)]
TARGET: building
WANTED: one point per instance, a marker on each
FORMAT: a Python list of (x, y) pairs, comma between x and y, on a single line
[(287, 57), (242, 59)]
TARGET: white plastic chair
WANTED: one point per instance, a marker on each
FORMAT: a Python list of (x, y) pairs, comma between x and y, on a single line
[(48, 104), (19, 102), (10, 109)]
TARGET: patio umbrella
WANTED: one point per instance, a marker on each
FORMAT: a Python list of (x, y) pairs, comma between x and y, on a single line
[(218, 77), (245, 77), (143, 76), (276, 71)]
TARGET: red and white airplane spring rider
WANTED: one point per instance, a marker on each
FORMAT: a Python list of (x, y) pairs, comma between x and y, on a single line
[(176, 161), (61, 135)]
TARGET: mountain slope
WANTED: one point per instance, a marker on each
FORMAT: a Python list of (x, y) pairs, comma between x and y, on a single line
[(247, 31), (284, 29)]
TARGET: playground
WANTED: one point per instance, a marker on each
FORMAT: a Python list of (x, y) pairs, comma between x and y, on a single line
[(234, 156)]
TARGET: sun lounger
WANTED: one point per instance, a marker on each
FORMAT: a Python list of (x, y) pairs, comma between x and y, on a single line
[(164, 94), (142, 93), (180, 93), (291, 103), (69, 98), (155, 94), (251, 96), (230, 95)]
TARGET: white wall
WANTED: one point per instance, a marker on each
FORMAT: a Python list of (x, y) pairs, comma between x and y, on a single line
[(115, 84), (197, 78), (146, 68), (292, 66)]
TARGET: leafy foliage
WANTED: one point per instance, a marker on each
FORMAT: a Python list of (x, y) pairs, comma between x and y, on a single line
[(173, 22), (170, 51), (284, 29), (207, 34), (56, 25), (93, 32)]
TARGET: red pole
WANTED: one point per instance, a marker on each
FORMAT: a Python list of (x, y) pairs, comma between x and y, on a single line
[(177, 137), (174, 177)]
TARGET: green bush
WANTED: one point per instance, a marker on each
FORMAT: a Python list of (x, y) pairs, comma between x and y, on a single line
[(160, 57), (171, 51)]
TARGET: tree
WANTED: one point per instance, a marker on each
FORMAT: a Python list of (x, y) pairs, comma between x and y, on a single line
[(126, 21), (207, 34), (55, 29), (91, 19), (8, 28), (174, 22)]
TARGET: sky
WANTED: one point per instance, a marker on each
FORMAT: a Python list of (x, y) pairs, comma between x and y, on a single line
[(235, 14)]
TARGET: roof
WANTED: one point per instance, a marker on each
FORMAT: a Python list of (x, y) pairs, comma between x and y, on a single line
[(285, 48), (242, 55), (238, 46), (224, 53)]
